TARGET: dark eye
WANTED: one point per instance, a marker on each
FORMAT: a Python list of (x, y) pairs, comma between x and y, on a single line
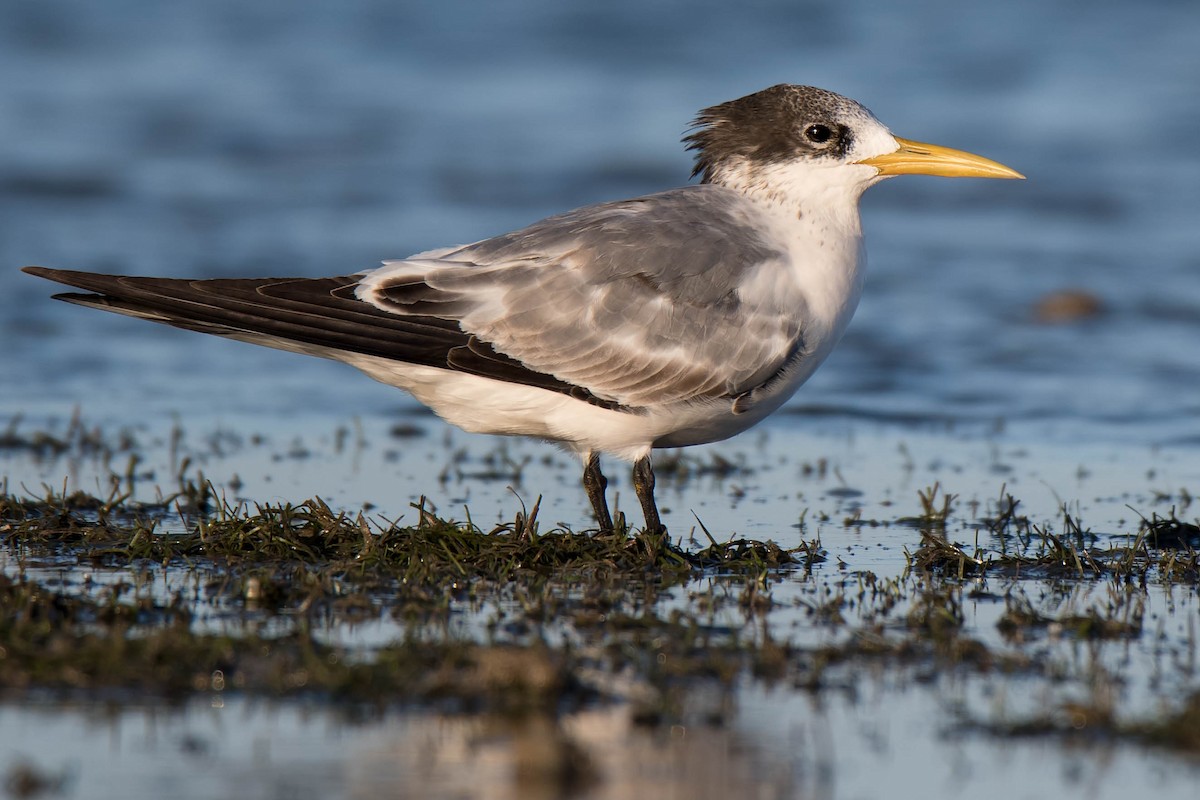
[(818, 133)]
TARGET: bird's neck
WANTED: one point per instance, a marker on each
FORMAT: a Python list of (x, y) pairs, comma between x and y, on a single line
[(812, 216), (824, 196)]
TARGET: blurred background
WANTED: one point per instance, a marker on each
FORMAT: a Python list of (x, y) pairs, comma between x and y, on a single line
[(235, 137)]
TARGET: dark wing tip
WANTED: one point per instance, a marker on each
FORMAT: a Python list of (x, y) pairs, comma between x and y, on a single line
[(70, 277), (78, 298), (90, 281)]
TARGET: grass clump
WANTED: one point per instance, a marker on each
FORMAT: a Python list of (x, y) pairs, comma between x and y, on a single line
[(312, 533), (262, 582)]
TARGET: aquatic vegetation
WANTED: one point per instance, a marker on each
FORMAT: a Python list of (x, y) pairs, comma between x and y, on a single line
[(249, 599)]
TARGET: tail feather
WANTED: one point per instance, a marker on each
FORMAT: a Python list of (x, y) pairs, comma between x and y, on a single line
[(318, 316), (320, 312)]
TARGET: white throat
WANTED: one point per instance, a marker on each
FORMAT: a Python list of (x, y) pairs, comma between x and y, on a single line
[(813, 217)]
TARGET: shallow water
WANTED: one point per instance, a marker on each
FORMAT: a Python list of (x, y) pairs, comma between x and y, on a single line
[(871, 723), (230, 138)]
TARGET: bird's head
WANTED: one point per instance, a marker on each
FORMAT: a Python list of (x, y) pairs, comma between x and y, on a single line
[(801, 140)]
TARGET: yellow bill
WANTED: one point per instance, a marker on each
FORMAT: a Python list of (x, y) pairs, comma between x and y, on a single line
[(918, 158)]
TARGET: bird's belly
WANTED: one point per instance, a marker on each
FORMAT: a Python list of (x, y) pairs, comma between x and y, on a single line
[(713, 427), (717, 421), (484, 405)]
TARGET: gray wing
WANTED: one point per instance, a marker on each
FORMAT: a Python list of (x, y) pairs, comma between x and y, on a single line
[(639, 302)]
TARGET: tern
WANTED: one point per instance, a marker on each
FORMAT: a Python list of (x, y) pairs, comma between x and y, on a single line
[(673, 319)]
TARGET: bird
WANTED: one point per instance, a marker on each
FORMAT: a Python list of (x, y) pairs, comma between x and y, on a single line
[(672, 319)]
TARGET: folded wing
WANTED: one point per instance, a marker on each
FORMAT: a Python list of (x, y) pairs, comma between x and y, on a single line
[(621, 305), (642, 302)]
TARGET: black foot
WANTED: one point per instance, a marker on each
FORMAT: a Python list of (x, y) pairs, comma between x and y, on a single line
[(643, 485), (594, 483)]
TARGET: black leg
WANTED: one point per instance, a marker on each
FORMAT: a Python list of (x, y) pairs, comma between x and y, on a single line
[(643, 485), (594, 483)]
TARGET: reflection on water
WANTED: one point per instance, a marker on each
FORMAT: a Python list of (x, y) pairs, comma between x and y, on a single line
[(780, 746), (243, 749)]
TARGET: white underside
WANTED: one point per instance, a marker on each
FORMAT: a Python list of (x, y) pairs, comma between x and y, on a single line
[(485, 405)]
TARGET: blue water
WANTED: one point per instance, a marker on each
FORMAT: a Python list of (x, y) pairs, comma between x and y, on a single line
[(233, 138)]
